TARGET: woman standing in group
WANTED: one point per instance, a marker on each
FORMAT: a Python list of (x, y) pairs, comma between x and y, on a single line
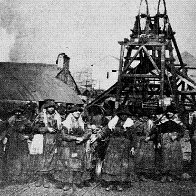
[(17, 152), (71, 163), (118, 166), (47, 125), (145, 152), (170, 132)]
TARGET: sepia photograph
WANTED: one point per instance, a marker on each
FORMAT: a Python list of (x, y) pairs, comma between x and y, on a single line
[(97, 98)]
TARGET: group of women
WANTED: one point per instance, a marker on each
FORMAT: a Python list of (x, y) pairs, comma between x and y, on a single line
[(117, 150)]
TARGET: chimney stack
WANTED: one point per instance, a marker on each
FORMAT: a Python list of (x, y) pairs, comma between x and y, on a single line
[(63, 62)]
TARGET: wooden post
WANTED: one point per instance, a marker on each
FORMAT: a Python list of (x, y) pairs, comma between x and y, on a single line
[(154, 54), (119, 85), (174, 85), (162, 75), (176, 48)]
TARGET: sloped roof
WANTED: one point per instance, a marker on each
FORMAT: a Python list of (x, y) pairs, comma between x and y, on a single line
[(33, 82), (68, 79)]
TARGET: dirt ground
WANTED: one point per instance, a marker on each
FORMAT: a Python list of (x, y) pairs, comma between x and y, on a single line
[(150, 188)]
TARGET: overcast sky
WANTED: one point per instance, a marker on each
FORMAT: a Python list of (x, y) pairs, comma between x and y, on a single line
[(87, 30)]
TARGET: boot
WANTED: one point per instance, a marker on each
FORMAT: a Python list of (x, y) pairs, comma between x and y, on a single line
[(143, 179), (85, 184), (169, 178), (119, 188), (109, 188), (164, 179), (59, 185), (70, 192), (39, 182), (66, 187), (46, 183)]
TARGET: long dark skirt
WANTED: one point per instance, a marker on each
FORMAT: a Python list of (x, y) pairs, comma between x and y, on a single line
[(193, 156), (71, 164), (171, 155), (17, 154), (118, 164), (49, 157), (145, 157), (2, 163)]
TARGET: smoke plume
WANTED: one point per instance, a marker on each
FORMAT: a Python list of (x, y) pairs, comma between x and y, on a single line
[(35, 26), (86, 30)]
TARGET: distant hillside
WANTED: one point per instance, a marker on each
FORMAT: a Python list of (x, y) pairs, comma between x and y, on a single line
[(188, 59)]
